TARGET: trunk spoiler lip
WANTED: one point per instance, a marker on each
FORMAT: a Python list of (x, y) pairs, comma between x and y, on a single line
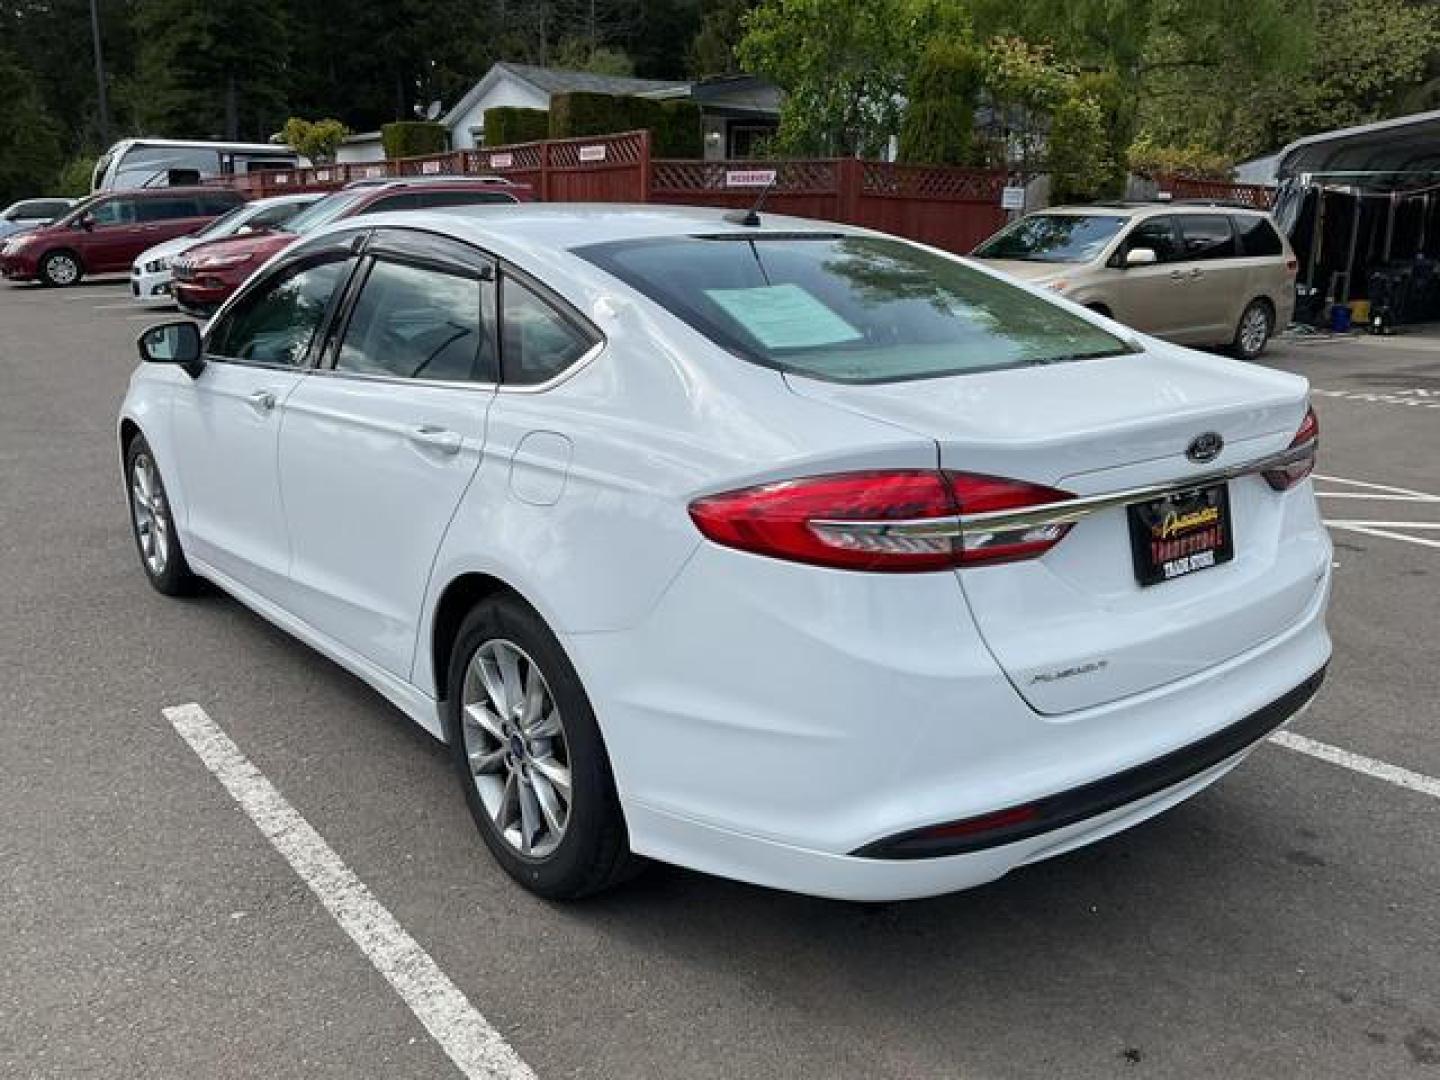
[(1067, 511)]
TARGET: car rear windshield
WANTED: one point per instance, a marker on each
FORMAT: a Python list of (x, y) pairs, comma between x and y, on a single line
[(1064, 238), (850, 309)]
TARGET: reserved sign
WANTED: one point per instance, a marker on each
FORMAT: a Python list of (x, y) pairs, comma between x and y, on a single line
[(749, 177)]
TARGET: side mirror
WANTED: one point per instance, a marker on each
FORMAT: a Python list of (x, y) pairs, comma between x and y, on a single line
[(173, 343), (1141, 257), (86, 222)]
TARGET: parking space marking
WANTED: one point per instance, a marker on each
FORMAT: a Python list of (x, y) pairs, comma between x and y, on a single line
[(1418, 496), (1380, 770), (1416, 397), (477, 1049), (1382, 493), (1386, 534)]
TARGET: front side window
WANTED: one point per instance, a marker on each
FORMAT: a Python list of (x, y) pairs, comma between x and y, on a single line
[(1059, 238), (272, 217), (275, 323), (413, 322), (113, 212), (1158, 234), (1207, 236), (849, 308), (218, 202), (537, 341)]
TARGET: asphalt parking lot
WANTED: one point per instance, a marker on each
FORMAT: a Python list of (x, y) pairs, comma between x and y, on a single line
[(1283, 923)]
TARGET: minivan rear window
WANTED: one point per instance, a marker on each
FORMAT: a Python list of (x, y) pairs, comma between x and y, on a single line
[(848, 308)]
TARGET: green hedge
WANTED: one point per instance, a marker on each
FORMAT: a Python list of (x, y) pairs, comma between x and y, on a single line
[(414, 138), (674, 125), (508, 124)]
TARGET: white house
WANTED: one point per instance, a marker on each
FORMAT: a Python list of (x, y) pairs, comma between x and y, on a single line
[(736, 111)]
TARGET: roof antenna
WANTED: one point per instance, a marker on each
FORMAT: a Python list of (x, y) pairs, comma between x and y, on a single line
[(751, 218)]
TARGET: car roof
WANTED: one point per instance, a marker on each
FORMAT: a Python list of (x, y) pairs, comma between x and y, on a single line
[(1143, 209), (162, 192), (566, 226)]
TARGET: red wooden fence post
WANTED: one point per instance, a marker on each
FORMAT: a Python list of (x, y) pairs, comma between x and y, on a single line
[(850, 176), (645, 174)]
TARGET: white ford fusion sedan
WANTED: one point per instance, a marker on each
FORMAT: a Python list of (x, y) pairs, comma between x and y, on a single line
[(785, 551)]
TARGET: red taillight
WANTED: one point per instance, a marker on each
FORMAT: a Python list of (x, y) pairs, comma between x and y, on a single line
[(1306, 443), (894, 521)]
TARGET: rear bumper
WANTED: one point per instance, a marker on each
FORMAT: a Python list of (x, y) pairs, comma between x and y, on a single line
[(768, 722)]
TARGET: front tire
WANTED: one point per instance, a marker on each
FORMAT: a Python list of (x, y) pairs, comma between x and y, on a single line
[(153, 524), (60, 269), (1252, 333), (530, 757)]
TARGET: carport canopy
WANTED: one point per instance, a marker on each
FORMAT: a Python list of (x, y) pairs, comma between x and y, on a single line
[(1390, 155)]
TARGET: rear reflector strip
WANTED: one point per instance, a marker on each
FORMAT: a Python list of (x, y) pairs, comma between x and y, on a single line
[(1091, 800)]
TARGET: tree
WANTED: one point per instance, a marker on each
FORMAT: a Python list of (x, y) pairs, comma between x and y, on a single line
[(576, 54), (29, 138), (1079, 165), (939, 124), (318, 140), (842, 64), (712, 51), (211, 70)]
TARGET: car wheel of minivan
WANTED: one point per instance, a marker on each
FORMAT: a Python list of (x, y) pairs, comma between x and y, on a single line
[(1253, 331), (530, 756), (153, 524), (60, 268)]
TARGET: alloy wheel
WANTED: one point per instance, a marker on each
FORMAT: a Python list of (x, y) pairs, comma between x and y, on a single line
[(1254, 329), (150, 513), (62, 269), (514, 740)]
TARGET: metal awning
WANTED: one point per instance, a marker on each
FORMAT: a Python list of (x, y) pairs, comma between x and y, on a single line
[(1390, 155)]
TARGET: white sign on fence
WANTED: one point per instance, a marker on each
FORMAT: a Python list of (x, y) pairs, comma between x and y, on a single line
[(430, 168), (372, 171), (281, 178), (1012, 198), (501, 161), (749, 177), (323, 176), (592, 153)]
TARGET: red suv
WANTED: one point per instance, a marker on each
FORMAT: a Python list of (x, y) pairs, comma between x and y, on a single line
[(207, 274), (102, 235)]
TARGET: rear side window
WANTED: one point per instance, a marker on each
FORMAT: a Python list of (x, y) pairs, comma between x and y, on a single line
[(848, 308), (218, 202), (1159, 235), (415, 322), (1257, 235), (537, 341), (165, 209), (433, 199), (1207, 236)]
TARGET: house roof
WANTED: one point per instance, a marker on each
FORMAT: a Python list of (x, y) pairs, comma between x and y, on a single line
[(557, 81)]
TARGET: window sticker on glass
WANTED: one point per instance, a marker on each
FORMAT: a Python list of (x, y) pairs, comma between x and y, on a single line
[(784, 316)]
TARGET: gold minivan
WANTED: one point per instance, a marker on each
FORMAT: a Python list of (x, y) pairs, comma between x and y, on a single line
[(1197, 274)]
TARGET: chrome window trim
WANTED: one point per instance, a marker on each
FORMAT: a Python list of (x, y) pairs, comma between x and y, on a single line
[(1068, 512)]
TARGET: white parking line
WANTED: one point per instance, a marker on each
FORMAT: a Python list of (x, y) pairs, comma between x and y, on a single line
[(1417, 495), (1386, 534), (1380, 770), (462, 1032)]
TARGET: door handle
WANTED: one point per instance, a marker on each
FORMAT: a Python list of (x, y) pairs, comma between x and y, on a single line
[(441, 440), (1177, 275), (262, 401), (1196, 272)]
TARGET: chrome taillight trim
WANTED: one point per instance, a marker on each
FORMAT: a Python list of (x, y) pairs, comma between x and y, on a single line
[(1067, 512)]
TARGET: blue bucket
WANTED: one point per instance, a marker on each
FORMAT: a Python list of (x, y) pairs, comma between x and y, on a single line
[(1340, 318)]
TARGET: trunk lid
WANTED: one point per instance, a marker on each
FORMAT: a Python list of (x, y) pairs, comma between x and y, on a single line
[(1075, 629)]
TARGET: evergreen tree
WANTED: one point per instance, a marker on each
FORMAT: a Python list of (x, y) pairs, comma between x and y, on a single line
[(29, 139)]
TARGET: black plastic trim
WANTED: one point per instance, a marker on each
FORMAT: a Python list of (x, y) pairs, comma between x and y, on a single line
[(1102, 796)]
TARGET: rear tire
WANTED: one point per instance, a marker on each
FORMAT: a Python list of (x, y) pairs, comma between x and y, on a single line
[(530, 757), (1252, 333), (153, 524), (60, 269)]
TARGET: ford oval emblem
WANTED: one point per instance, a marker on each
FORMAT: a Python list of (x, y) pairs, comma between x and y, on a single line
[(1205, 447)]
